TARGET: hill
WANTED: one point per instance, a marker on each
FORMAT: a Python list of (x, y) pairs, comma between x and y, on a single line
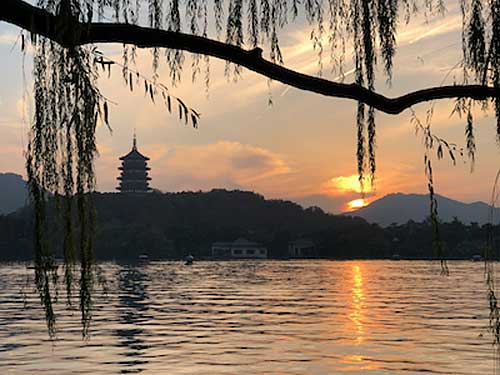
[(13, 192), (170, 225), (400, 208)]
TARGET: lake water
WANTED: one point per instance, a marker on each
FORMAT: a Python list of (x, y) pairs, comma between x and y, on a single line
[(262, 317)]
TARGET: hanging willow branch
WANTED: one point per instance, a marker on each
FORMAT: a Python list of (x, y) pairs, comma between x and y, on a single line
[(489, 267), (39, 21), (60, 162)]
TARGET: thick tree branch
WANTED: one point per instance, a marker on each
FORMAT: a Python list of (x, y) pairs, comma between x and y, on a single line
[(73, 33)]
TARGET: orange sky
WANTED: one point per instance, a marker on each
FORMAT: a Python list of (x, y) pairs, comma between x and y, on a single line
[(301, 148)]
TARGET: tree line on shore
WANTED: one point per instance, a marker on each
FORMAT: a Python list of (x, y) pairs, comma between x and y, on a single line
[(171, 225)]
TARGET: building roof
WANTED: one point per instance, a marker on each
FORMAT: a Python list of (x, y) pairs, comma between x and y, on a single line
[(245, 242), (134, 154), (240, 242)]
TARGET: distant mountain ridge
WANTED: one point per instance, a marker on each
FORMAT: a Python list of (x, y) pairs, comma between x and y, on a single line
[(396, 208), (399, 208), (13, 192)]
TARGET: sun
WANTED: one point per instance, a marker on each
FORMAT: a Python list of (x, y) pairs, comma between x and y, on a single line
[(357, 203)]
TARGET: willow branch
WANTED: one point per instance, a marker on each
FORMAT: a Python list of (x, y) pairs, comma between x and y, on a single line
[(69, 32)]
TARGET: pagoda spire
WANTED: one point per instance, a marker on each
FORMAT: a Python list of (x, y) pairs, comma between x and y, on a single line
[(134, 171)]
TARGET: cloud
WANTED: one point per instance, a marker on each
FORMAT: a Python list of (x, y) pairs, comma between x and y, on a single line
[(155, 151), (427, 30), (348, 185), (343, 184), (225, 163)]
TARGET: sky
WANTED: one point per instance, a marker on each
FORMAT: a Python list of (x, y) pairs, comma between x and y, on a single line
[(302, 148)]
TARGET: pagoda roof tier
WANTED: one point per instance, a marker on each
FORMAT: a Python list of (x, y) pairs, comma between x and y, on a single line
[(134, 155), (128, 179), (129, 190), (134, 183), (132, 169)]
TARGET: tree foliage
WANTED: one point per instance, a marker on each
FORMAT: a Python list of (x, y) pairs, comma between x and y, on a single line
[(171, 225)]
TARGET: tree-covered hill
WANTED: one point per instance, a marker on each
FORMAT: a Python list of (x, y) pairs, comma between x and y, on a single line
[(172, 225)]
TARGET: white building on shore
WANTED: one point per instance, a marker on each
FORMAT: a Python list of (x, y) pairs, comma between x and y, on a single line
[(239, 249)]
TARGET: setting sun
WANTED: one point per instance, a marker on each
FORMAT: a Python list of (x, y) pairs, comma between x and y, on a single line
[(357, 203)]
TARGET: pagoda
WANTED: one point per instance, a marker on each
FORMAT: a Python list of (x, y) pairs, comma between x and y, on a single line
[(134, 172)]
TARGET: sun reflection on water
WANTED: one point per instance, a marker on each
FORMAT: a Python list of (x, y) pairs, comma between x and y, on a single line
[(357, 296), (305, 317)]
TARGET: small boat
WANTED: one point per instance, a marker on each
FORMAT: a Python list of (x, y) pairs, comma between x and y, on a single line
[(143, 258), (396, 257), (52, 268), (46, 263), (189, 260), (477, 258)]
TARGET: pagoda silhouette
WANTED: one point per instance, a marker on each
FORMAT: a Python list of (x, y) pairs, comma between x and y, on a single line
[(134, 172)]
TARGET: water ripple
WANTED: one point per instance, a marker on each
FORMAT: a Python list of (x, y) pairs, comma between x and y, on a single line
[(262, 317)]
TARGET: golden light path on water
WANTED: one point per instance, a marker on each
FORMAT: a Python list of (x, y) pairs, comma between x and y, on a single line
[(356, 314), (296, 317)]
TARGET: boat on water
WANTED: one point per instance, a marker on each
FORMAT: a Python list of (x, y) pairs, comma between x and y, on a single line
[(396, 257), (189, 260), (47, 263), (143, 258), (477, 258)]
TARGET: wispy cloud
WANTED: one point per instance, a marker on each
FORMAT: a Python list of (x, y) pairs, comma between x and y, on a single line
[(223, 163)]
